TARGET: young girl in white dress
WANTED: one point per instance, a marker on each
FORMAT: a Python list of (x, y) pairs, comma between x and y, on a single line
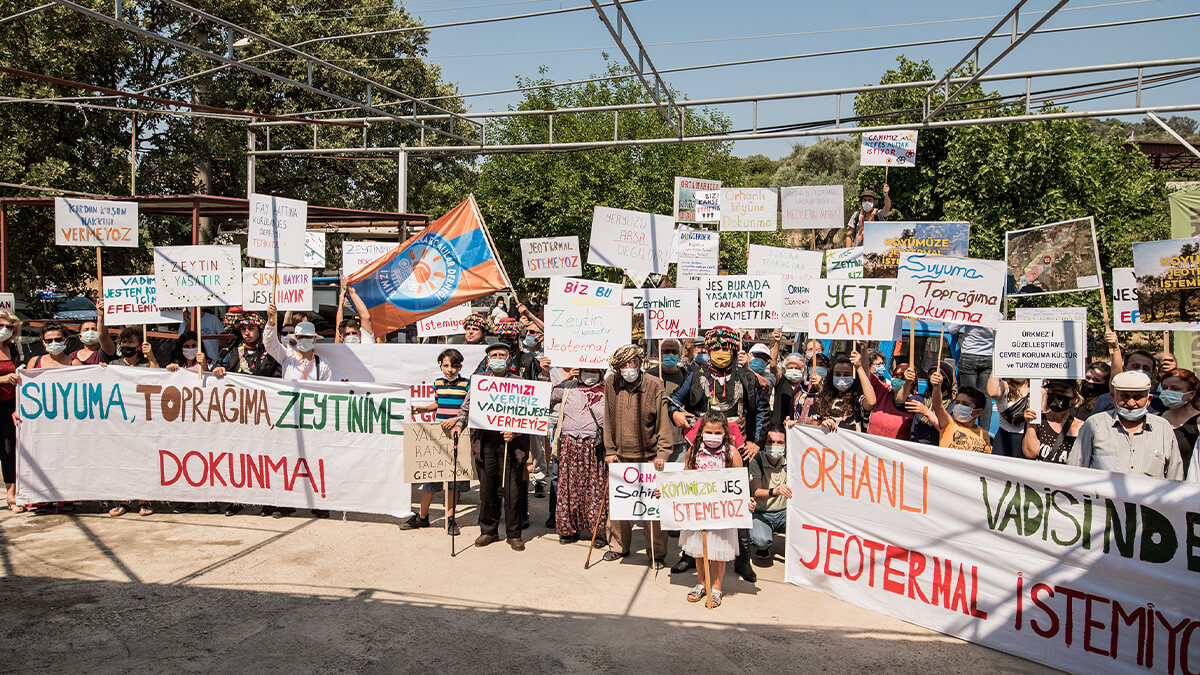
[(712, 449)]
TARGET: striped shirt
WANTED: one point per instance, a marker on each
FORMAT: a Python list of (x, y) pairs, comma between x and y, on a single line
[(450, 396)]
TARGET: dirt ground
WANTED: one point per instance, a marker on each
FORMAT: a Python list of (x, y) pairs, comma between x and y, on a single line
[(195, 592)]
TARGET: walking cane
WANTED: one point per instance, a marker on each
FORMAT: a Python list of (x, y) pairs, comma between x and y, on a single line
[(595, 530), (707, 571)]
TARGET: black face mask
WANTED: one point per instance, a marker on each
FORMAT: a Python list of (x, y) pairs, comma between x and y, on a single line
[(1058, 402), (1093, 389), (129, 351)]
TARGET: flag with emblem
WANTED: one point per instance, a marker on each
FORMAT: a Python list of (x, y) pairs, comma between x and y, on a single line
[(450, 262)]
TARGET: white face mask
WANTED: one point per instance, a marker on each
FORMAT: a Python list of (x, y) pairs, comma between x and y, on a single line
[(589, 378), (962, 413), (775, 451), (867, 206), (89, 337), (190, 353), (5, 333), (843, 383), (305, 344), (630, 374), (56, 348), (713, 441), (352, 339)]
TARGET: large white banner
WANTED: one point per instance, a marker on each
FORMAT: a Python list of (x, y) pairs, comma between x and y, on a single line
[(794, 267), (275, 231), (131, 300), (198, 276), (669, 312), (812, 207), (747, 209), (630, 240), (95, 222), (584, 337), (741, 301), (551, 257), (632, 490), (698, 257), (94, 433), (293, 290), (1083, 570)]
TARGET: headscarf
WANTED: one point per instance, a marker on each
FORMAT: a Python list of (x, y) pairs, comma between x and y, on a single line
[(230, 320), (723, 338), (476, 320), (624, 355)]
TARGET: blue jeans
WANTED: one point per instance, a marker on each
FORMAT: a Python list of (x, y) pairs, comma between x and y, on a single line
[(765, 525)]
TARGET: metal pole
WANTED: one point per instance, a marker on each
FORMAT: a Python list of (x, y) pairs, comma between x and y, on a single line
[(402, 183), (251, 178)]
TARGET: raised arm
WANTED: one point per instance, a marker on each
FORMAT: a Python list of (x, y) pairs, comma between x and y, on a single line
[(887, 202), (270, 337), (864, 378), (1114, 350), (341, 312), (364, 315), (935, 399), (522, 310), (107, 345)]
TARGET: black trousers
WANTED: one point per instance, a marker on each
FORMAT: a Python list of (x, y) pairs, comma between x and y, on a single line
[(516, 497), (8, 441)]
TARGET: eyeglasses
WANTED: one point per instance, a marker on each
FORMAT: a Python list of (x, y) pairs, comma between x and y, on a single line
[(286, 333), (7, 325)]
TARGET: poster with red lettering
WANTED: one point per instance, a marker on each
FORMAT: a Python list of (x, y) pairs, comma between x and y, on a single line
[(509, 404), (705, 500), (95, 222), (1078, 569)]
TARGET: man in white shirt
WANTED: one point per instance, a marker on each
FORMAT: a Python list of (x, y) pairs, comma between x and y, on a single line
[(298, 359)]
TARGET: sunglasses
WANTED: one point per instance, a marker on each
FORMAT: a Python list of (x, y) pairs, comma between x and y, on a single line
[(54, 340)]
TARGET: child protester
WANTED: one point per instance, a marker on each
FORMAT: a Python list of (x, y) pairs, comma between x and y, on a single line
[(711, 450), (960, 424), (449, 392)]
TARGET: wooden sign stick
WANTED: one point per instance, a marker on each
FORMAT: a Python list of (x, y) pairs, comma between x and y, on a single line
[(595, 531), (707, 571)]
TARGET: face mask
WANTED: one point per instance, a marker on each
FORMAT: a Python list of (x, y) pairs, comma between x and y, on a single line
[(305, 344), (775, 451), (352, 339), (589, 378), (128, 351), (721, 359), (56, 348), (1131, 415), (714, 440), (881, 372), (867, 206), (497, 365), (630, 374), (821, 372), (190, 353), (1172, 399), (530, 342), (758, 365), (1093, 389), (843, 383), (1058, 402), (794, 374), (961, 412), (670, 360), (898, 383), (5, 333), (89, 337)]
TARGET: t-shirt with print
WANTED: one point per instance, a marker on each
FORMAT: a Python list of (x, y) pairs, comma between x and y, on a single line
[(450, 395), (962, 437)]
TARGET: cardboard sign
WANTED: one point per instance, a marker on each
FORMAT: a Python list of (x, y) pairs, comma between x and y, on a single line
[(705, 500), (888, 148), (584, 337), (844, 263), (8, 301), (630, 240), (1053, 314), (582, 293), (631, 489), (854, 309), (293, 291), (1053, 258), (885, 241), (358, 254), (1168, 280), (708, 206), (551, 257), (276, 229), (132, 300), (95, 222), (1126, 314), (449, 322), (314, 250), (813, 207), (509, 404), (685, 197), (794, 267), (429, 454), (1050, 350), (668, 312), (675, 242), (198, 276), (953, 290), (749, 209), (741, 301), (698, 257)]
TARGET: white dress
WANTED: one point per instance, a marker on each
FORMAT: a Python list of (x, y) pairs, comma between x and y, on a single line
[(722, 544)]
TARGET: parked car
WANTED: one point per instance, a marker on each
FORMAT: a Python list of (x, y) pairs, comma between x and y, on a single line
[(61, 306)]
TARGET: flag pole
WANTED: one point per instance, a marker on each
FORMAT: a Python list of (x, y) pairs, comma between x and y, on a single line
[(492, 245)]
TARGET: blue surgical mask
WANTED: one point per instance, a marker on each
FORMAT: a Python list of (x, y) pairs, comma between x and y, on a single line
[(530, 342), (670, 360), (497, 365), (1171, 399), (821, 372), (1132, 415), (758, 365), (881, 372), (794, 374)]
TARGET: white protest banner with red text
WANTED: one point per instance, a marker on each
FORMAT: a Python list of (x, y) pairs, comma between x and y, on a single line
[(950, 289), (449, 322), (132, 300), (854, 309), (584, 337), (669, 312), (275, 231), (293, 291), (705, 500), (631, 490), (551, 257), (161, 436), (358, 254), (809, 207), (95, 222), (509, 404), (1078, 569)]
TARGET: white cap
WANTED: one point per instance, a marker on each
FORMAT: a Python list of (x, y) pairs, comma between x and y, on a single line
[(305, 329), (760, 348), (1131, 380)]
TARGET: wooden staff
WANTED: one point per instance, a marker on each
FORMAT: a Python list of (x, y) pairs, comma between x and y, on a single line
[(199, 337), (1167, 341), (1104, 305), (912, 343), (650, 527), (707, 571), (595, 531), (941, 341), (504, 470), (454, 455)]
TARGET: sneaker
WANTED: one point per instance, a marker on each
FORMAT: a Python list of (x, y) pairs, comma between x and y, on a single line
[(415, 522), (485, 539), (516, 543), (320, 513), (741, 567), (539, 490), (686, 562), (233, 509), (282, 512), (452, 528)]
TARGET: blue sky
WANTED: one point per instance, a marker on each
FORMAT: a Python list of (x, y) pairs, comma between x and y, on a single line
[(489, 56)]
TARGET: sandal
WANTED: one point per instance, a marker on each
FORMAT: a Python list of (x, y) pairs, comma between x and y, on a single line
[(15, 507), (145, 510), (118, 510), (716, 599), (696, 594)]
